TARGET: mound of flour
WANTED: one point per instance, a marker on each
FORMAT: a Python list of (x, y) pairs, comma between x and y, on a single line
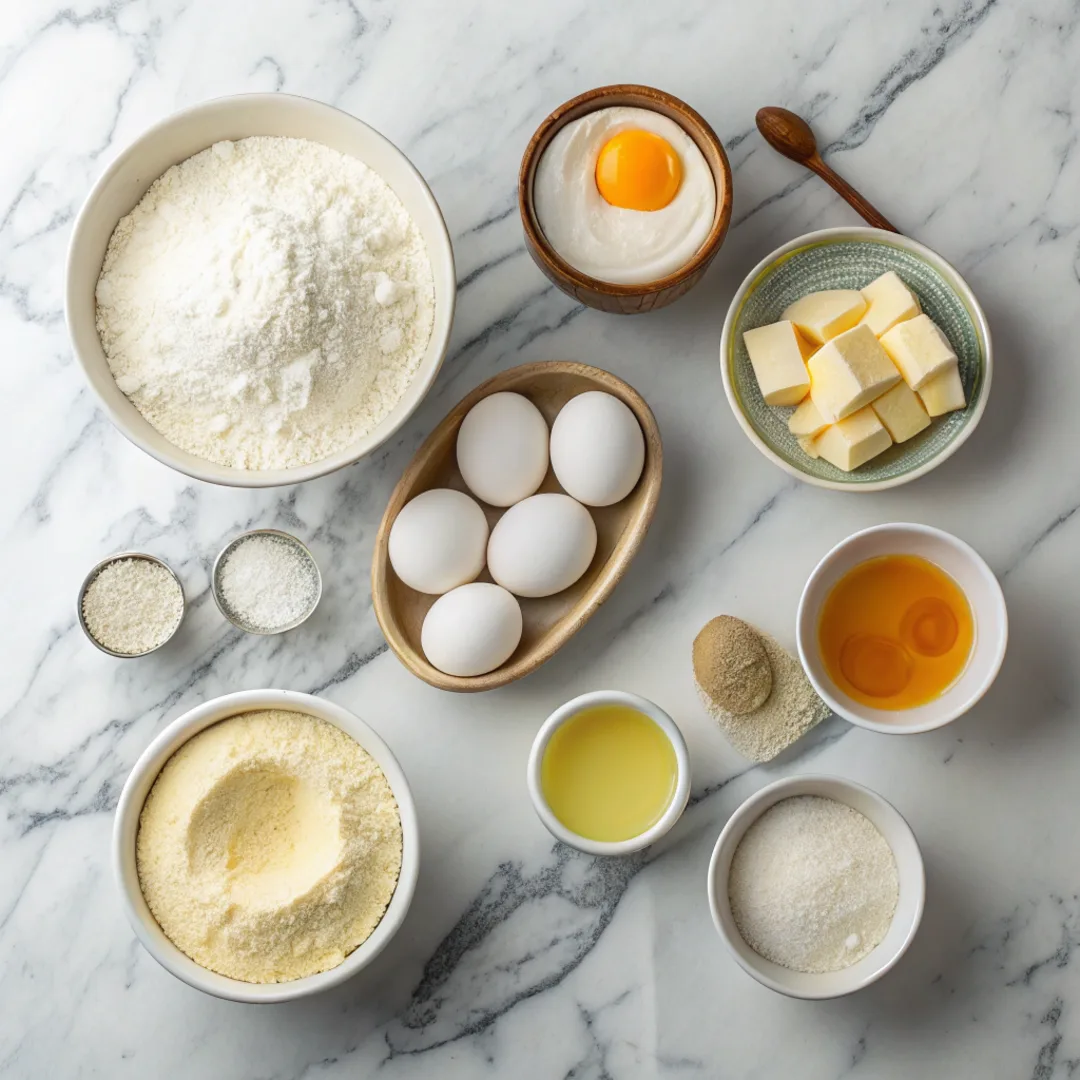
[(267, 303)]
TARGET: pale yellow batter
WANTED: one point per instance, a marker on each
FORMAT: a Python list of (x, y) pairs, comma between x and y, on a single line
[(269, 846)]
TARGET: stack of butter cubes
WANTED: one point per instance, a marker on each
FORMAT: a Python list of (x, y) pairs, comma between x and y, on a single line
[(866, 368)]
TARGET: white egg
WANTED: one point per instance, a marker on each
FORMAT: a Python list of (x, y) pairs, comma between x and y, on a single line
[(597, 449), (438, 541), (471, 630), (502, 449), (542, 545)]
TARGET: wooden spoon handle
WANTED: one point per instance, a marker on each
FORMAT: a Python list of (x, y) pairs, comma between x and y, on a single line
[(869, 212)]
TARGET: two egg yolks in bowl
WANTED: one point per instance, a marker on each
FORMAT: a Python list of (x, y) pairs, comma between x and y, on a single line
[(895, 632)]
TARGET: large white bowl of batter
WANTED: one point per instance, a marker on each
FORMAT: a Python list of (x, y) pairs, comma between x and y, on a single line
[(126, 828), (174, 140)]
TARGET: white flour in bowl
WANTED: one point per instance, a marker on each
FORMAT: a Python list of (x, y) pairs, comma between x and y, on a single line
[(267, 303)]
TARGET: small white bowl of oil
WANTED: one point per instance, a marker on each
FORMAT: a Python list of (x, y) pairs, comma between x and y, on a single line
[(609, 773)]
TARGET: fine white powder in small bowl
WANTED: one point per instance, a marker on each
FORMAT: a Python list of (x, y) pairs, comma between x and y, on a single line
[(813, 885), (131, 606), (266, 582)]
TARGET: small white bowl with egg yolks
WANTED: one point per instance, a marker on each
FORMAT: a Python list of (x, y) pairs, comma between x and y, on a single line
[(605, 770), (967, 569)]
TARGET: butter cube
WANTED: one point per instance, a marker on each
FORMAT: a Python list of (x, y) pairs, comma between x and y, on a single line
[(821, 316), (778, 356), (849, 372), (919, 349), (853, 441), (901, 411), (943, 393), (890, 300), (806, 421), (808, 445)]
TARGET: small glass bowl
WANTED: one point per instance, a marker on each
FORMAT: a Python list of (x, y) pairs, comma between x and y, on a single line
[(88, 580), (230, 614)]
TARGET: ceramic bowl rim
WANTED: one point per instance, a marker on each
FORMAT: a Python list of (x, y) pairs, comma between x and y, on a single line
[(125, 831), (597, 99), (160, 448), (682, 784), (864, 234), (912, 875), (806, 628)]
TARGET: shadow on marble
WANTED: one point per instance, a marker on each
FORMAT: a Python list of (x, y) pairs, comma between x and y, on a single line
[(1032, 695), (910, 995)]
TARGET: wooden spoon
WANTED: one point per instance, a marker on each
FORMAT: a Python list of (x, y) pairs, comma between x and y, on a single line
[(791, 136)]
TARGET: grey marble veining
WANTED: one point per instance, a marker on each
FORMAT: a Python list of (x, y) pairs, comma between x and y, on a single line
[(961, 120)]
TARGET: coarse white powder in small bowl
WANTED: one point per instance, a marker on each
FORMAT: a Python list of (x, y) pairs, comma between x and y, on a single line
[(130, 604), (266, 582)]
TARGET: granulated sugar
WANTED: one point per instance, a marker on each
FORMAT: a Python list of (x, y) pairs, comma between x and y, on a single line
[(813, 885), (132, 606), (267, 583)]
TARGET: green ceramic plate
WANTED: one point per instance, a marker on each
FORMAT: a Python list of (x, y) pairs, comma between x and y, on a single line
[(849, 259)]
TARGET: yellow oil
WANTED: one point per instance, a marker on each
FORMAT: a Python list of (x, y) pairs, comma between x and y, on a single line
[(609, 773)]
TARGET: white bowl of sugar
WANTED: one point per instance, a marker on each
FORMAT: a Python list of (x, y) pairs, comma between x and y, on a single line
[(824, 875), (244, 272)]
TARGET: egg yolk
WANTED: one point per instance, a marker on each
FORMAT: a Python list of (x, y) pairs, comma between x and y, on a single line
[(895, 632), (638, 170), (929, 627), (875, 665)]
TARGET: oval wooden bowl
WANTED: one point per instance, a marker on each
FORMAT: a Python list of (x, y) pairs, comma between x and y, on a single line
[(625, 299), (550, 621)]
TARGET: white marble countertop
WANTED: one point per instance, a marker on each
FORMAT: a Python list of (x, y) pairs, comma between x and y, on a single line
[(520, 958)]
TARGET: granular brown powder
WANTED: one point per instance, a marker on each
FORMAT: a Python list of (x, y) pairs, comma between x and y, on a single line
[(791, 709), (731, 666)]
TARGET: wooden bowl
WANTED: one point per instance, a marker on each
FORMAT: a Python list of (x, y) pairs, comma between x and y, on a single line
[(603, 295), (550, 621)]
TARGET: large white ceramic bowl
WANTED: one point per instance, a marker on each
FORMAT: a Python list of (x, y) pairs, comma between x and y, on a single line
[(126, 827), (536, 760), (177, 138), (909, 907), (966, 567)]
